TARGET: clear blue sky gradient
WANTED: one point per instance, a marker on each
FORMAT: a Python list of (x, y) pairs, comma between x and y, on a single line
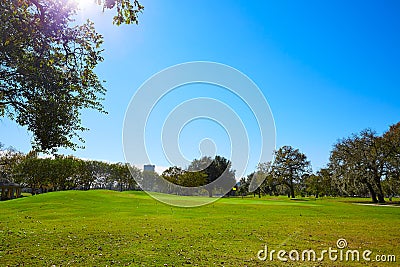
[(327, 68)]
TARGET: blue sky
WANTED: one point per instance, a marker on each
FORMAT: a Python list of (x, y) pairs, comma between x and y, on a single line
[(326, 68)]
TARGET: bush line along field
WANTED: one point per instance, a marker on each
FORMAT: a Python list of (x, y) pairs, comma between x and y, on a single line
[(103, 228)]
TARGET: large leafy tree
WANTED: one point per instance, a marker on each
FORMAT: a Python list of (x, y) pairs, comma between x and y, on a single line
[(47, 67), (361, 160), (391, 144), (290, 167)]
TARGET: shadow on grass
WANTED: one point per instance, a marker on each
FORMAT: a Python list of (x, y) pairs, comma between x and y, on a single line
[(369, 202), (299, 199), (388, 203)]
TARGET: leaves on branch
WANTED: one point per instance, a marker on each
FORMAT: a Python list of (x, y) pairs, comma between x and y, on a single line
[(127, 10)]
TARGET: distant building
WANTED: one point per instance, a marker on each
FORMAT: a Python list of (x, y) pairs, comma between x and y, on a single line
[(150, 168), (9, 190)]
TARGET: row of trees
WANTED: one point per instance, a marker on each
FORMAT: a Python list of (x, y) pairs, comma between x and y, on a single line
[(66, 172), (368, 162), (203, 172), (360, 165)]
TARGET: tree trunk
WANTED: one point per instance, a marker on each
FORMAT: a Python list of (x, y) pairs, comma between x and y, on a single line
[(381, 197), (373, 194), (292, 192), (291, 187)]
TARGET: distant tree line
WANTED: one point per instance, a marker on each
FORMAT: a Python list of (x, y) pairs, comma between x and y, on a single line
[(59, 172), (363, 164)]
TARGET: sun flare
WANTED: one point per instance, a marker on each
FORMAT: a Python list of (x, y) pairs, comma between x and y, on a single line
[(82, 4)]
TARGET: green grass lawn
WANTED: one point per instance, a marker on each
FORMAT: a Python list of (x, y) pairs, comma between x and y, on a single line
[(103, 228)]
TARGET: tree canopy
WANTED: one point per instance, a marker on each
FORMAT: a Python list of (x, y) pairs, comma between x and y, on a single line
[(47, 67)]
